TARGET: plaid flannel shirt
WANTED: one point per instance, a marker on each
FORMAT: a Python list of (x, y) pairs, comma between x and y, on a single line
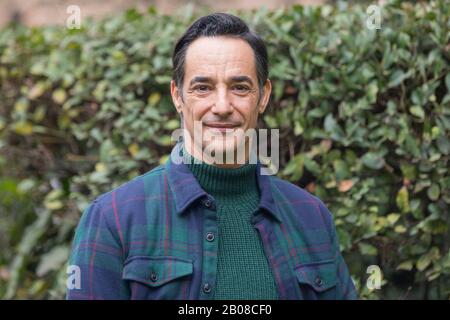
[(146, 239)]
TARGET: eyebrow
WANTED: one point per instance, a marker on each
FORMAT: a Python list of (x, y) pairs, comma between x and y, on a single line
[(242, 79), (202, 79)]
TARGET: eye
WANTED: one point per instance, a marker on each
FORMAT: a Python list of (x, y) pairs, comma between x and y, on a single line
[(201, 88), (241, 88)]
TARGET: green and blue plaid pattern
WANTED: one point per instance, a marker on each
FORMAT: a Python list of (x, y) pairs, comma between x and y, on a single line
[(146, 239)]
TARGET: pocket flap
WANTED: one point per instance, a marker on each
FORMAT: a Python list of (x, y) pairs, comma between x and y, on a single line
[(156, 270), (320, 275)]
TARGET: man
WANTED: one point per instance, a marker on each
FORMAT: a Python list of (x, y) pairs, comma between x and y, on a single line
[(205, 228)]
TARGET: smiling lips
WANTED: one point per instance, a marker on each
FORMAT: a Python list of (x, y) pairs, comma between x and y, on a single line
[(221, 127)]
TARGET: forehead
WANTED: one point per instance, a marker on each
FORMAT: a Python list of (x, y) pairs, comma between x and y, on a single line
[(219, 57)]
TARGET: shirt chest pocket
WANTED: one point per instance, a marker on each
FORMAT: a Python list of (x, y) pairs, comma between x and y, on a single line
[(317, 280), (158, 277)]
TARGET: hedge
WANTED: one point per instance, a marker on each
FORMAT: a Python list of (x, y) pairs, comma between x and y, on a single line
[(363, 114)]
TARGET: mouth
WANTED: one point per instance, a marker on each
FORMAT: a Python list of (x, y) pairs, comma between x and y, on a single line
[(221, 127)]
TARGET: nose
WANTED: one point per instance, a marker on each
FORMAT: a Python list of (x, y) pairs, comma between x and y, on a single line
[(222, 106)]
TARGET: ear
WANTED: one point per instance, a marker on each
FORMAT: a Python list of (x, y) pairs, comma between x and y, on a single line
[(264, 101), (176, 96)]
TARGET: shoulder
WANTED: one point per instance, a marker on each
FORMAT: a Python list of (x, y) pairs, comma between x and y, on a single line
[(300, 201), (130, 197), (132, 189)]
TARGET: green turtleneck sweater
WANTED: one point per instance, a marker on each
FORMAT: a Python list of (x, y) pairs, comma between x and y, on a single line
[(243, 271)]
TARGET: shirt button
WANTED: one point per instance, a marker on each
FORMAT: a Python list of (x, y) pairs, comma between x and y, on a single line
[(153, 277), (318, 282), (210, 236), (206, 288), (208, 203)]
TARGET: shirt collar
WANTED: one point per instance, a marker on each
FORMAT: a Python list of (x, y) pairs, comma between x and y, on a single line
[(187, 190)]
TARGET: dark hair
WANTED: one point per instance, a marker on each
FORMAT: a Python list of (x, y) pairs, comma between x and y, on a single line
[(220, 24)]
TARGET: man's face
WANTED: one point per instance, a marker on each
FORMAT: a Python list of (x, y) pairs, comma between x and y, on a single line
[(220, 90)]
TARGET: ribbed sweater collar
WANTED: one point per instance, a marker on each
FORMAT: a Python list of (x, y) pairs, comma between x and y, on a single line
[(222, 181)]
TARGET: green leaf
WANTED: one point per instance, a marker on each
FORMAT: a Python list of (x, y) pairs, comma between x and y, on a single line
[(26, 185), (172, 124), (154, 98), (341, 169), (294, 168), (312, 166), (367, 249), (408, 171), (52, 260), (298, 128), (59, 96), (106, 150), (417, 111), (398, 77), (443, 144), (393, 218), (402, 199), (373, 160), (331, 126), (52, 200), (433, 192), (24, 128), (400, 229), (423, 262), (406, 265)]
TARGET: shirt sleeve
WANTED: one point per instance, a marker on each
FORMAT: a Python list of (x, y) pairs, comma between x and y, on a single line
[(96, 260)]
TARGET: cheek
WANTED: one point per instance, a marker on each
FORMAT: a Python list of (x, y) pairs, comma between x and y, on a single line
[(197, 107), (248, 111)]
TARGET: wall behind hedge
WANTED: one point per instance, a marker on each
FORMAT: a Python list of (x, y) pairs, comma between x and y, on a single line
[(364, 119)]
